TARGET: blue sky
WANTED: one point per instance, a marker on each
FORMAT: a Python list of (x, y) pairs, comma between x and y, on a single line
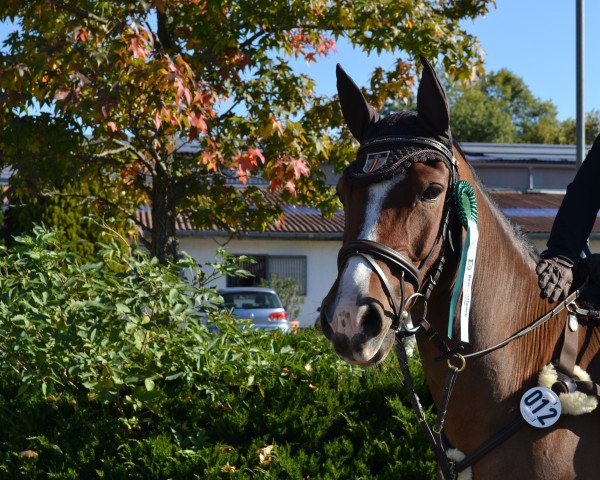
[(533, 38)]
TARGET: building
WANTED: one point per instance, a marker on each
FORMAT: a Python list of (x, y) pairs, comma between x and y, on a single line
[(527, 182)]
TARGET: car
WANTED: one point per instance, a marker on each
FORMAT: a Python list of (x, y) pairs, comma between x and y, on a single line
[(260, 305)]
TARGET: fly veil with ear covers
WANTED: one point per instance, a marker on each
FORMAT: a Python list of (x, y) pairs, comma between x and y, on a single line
[(389, 146)]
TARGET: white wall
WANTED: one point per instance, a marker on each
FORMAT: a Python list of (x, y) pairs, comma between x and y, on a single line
[(321, 257)]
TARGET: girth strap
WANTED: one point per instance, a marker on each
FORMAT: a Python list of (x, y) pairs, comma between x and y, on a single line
[(570, 345), (567, 357), (491, 443)]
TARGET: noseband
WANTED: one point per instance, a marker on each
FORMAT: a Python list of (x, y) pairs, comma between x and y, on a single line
[(401, 266)]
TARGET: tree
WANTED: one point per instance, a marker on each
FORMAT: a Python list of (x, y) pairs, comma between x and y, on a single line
[(138, 83), (43, 138), (475, 117), (501, 108), (592, 128), (79, 227)]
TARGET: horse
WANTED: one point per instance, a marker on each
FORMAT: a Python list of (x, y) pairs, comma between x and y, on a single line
[(400, 260)]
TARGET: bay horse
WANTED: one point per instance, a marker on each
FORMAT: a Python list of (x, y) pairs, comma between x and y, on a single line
[(400, 257)]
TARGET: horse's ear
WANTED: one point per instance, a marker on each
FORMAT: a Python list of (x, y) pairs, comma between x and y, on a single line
[(432, 104), (358, 114)]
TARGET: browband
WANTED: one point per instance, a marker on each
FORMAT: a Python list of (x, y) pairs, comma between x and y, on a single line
[(410, 140)]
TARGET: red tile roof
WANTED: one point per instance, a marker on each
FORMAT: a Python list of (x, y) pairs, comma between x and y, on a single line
[(533, 212)]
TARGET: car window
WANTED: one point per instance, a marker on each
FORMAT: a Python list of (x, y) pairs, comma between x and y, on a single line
[(250, 300)]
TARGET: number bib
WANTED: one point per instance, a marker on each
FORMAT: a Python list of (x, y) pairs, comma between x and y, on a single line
[(540, 407)]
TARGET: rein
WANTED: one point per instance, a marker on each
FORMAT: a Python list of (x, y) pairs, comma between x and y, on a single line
[(435, 435), (371, 251)]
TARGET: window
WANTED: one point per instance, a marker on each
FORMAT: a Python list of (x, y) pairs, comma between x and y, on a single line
[(251, 300), (258, 269), (283, 266)]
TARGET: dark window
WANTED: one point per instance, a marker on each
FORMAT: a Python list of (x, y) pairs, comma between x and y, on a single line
[(289, 267), (258, 269), (283, 266)]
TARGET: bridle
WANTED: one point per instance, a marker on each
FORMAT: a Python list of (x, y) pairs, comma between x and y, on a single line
[(370, 250)]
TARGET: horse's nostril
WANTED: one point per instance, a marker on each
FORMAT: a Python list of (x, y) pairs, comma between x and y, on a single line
[(372, 320)]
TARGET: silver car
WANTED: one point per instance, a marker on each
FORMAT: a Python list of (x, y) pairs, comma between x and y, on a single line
[(259, 305)]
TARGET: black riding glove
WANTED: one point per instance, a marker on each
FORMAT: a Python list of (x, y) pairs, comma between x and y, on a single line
[(555, 276)]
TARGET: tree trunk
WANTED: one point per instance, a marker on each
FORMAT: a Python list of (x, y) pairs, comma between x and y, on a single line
[(164, 244)]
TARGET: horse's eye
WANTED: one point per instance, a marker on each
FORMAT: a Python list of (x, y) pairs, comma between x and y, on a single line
[(431, 193)]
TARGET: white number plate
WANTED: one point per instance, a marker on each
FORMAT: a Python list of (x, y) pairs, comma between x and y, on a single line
[(540, 407)]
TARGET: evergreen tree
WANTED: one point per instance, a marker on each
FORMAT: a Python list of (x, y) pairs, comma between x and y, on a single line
[(80, 224)]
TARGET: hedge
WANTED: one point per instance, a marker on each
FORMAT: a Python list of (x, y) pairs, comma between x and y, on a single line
[(107, 371)]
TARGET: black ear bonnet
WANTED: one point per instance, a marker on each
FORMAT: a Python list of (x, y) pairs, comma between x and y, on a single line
[(390, 145)]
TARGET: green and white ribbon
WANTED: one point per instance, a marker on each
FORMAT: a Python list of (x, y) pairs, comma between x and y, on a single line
[(466, 204)]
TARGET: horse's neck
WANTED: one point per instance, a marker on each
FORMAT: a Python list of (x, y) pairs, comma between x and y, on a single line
[(505, 299), (506, 296), (505, 293)]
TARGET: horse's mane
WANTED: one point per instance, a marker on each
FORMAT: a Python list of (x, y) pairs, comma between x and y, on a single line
[(516, 231)]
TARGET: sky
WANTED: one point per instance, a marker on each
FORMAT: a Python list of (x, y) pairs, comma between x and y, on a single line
[(535, 39)]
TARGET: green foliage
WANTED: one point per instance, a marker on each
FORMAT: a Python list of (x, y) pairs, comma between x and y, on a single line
[(502, 109), (134, 83), (76, 223), (478, 118), (106, 372), (44, 189), (592, 128), (288, 291)]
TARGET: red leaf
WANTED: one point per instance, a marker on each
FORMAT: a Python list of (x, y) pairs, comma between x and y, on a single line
[(246, 162), (256, 152), (242, 175), (84, 34), (157, 120), (299, 167), (249, 160), (197, 121), (291, 187), (137, 46)]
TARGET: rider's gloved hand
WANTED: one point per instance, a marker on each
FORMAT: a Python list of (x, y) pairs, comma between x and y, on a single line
[(555, 277)]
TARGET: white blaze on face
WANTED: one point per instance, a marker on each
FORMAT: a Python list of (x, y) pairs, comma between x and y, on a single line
[(356, 275)]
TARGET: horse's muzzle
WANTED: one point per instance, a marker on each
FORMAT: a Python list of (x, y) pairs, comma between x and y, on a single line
[(365, 345)]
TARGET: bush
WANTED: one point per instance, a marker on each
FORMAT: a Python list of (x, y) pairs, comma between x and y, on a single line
[(107, 372)]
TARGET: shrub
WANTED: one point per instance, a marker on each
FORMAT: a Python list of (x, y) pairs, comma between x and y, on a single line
[(107, 371)]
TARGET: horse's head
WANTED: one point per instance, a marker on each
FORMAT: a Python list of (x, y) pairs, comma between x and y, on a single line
[(396, 203)]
